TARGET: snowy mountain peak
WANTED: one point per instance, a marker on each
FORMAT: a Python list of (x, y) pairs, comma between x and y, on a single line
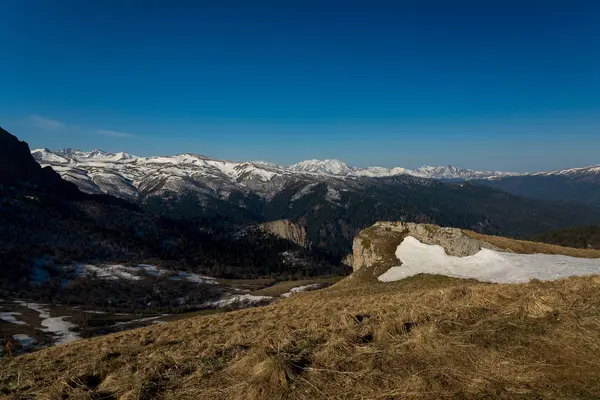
[(331, 167), (45, 156), (79, 155)]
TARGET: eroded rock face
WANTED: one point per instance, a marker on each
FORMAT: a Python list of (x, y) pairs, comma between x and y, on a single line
[(287, 230), (374, 248)]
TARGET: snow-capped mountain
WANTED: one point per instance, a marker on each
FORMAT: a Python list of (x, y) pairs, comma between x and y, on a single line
[(125, 175), (593, 170), (331, 199), (133, 178), (330, 167), (449, 172)]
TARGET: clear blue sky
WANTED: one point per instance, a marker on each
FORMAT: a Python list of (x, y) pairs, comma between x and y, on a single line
[(512, 85)]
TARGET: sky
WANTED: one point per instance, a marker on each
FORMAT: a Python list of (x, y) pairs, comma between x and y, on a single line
[(506, 85)]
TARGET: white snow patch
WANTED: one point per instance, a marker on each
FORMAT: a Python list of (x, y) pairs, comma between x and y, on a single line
[(61, 329), (39, 308), (333, 194), (54, 325), (146, 319), (305, 288), (114, 272), (238, 298), (486, 265), (9, 317), (24, 340), (304, 191), (194, 278)]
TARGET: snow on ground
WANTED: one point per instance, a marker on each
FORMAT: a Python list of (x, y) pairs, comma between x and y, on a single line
[(24, 340), (306, 288), (486, 265), (134, 321), (9, 317), (304, 191), (57, 326), (110, 272), (39, 308), (60, 329), (238, 299), (114, 272), (194, 278), (332, 194)]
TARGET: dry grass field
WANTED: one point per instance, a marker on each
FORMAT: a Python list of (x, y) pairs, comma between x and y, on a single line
[(427, 337)]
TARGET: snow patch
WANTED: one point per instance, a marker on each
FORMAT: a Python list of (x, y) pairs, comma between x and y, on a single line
[(9, 317), (238, 299), (57, 326), (486, 265), (24, 340), (61, 329), (332, 195), (305, 288), (140, 320), (304, 191)]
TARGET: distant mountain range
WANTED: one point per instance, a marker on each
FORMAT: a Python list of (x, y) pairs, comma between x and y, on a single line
[(130, 177), (329, 198), (73, 157)]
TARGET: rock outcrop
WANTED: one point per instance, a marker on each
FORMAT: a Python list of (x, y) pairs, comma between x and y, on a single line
[(287, 230), (373, 249), (17, 166)]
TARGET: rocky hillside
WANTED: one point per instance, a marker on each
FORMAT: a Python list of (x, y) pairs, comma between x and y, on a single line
[(18, 167), (287, 230)]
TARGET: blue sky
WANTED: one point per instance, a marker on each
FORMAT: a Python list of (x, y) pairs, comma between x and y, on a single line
[(511, 85)]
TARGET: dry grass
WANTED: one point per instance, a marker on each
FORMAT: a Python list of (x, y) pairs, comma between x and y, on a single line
[(427, 337), (527, 247)]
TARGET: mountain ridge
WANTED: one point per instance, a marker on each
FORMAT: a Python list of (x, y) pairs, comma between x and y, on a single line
[(333, 167)]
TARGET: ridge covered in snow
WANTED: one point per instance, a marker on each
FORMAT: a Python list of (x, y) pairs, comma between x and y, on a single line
[(331, 167), (127, 176)]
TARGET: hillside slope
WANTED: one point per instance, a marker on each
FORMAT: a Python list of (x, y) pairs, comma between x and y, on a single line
[(585, 237), (420, 338)]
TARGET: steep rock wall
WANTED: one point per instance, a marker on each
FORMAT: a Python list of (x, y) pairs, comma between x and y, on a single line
[(287, 230)]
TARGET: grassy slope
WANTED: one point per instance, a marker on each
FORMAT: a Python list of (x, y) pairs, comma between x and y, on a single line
[(424, 337)]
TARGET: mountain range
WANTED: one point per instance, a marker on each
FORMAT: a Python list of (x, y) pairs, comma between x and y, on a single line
[(131, 177), (74, 158), (331, 200)]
